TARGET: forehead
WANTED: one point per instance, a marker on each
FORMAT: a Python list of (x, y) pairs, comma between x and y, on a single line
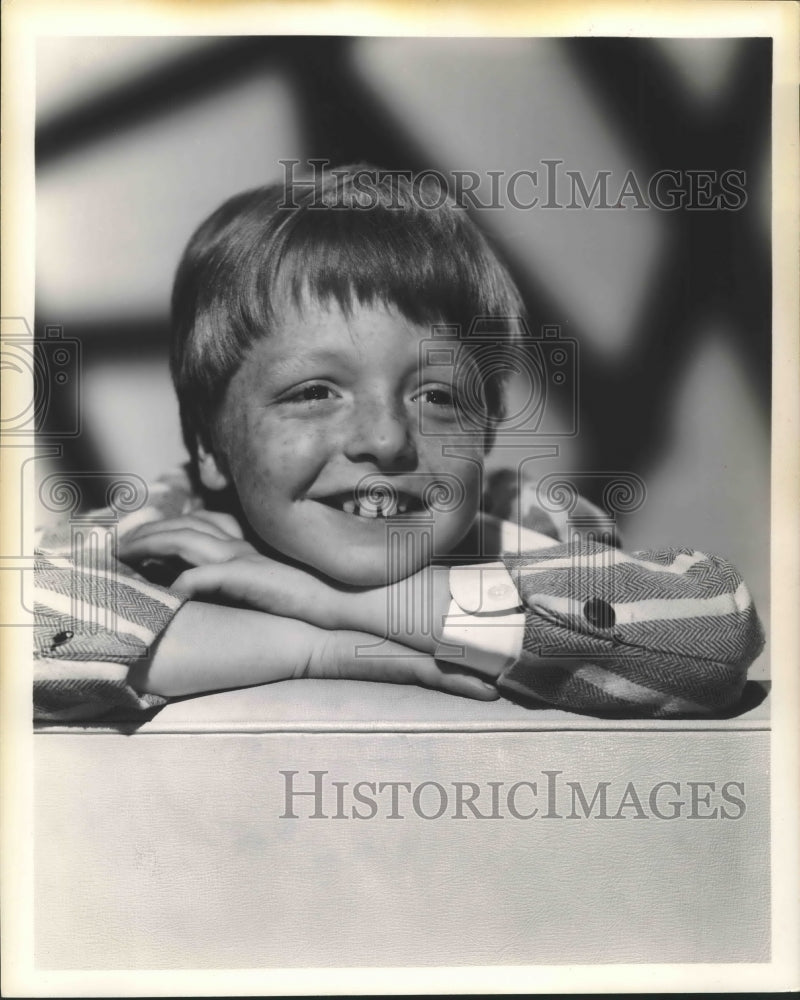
[(364, 335), (328, 322)]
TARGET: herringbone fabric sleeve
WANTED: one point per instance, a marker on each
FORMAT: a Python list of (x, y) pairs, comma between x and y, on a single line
[(650, 633), (659, 633), (92, 624)]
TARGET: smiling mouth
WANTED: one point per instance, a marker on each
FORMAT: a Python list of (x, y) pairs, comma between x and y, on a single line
[(373, 507)]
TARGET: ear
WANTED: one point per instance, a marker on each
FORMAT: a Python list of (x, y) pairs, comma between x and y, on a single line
[(213, 474)]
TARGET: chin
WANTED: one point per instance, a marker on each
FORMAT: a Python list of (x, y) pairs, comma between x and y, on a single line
[(356, 572)]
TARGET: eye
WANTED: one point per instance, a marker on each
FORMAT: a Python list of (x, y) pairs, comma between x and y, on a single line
[(439, 396), (311, 393)]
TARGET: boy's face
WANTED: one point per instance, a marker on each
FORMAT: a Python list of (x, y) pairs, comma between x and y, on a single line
[(327, 400)]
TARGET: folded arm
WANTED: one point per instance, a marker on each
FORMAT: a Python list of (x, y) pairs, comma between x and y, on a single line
[(660, 633), (109, 640)]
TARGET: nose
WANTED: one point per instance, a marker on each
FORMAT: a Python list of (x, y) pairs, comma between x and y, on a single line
[(381, 433)]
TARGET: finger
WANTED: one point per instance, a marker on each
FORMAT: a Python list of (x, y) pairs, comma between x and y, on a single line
[(189, 521), (194, 547), (454, 680), (252, 583), (210, 580), (225, 522)]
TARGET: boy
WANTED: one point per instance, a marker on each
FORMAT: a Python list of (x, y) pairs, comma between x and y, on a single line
[(327, 500)]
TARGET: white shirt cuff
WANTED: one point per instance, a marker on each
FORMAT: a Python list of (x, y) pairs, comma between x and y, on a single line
[(485, 625)]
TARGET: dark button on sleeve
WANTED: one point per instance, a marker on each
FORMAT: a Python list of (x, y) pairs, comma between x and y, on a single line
[(599, 613), (60, 638)]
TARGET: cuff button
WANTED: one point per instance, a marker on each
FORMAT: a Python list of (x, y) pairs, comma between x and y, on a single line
[(499, 590), (599, 613), (60, 638)]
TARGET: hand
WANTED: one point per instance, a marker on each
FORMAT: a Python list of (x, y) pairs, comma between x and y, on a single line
[(196, 652), (224, 568), (346, 655), (252, 580), (202, 536), (255, 581)]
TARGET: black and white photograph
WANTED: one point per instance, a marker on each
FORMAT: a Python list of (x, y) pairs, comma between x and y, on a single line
[(400, 523)]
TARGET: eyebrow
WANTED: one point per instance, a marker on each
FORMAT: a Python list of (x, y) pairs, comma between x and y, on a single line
[(324, 355), (292, 361), (291, 364)]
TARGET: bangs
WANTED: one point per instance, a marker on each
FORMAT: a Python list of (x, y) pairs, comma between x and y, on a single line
[(432, 270)]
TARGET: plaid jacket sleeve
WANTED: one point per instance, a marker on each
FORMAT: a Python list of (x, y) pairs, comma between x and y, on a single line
[(658, 633), (92, 624)]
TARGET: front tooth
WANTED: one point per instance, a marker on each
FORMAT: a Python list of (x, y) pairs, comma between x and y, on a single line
[(366, 512), (349, 506), (402, 506)]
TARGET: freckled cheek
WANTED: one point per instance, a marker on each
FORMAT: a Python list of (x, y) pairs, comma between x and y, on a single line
[(277, 459)]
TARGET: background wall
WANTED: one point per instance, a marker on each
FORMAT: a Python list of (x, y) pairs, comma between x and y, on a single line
[(139, 138)]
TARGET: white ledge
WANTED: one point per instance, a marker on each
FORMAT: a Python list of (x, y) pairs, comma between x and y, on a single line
[(318, 706)]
